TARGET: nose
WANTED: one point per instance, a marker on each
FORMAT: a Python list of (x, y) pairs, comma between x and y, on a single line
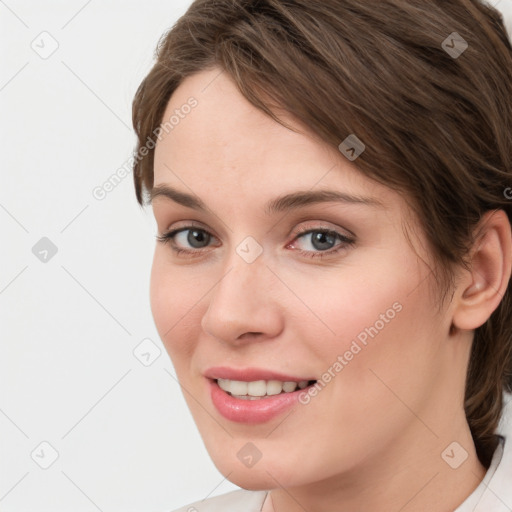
[(244, 304)]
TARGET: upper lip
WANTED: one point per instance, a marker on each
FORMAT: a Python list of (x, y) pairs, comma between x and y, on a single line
[(250, 374)]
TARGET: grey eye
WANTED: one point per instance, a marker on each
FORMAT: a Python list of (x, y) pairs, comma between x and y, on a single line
[(197, 238), (322, 241)]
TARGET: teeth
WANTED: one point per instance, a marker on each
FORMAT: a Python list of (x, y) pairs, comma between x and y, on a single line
[(288, 387), (274, 387), (237, 387), (256, 389)]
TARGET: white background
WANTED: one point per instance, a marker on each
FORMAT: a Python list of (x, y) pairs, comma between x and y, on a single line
[(69, 326)]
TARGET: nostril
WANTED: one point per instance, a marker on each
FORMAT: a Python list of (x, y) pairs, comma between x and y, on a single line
[(249, 335)]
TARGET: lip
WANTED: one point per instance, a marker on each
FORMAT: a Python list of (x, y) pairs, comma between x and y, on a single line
[(251, 411), (250, 374)]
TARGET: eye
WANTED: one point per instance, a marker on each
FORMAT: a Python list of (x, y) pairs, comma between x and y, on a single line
[(188, 239), (313, 243), (196, 238), (318, 242)]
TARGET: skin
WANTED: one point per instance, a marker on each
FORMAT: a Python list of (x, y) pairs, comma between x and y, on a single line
[(372, 439)]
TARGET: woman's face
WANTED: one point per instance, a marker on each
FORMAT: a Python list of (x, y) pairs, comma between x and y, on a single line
[(276, 283)]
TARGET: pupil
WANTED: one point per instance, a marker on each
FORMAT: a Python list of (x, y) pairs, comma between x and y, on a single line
[(322, 241), (195, 238)]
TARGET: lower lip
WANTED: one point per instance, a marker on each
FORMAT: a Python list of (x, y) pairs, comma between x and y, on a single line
[(251, 411)]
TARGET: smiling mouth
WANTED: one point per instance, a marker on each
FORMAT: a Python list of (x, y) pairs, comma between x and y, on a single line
[(261, 389)]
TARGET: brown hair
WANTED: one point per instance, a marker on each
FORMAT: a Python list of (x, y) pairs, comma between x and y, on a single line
[(436, 126)]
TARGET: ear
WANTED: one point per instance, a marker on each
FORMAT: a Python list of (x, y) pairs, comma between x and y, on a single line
[(481, 288)]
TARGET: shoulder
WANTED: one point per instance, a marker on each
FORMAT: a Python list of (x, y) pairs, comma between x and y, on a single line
[(235, 501)]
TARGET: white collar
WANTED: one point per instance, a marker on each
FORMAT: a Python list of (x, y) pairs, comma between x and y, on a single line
[(494, 493)]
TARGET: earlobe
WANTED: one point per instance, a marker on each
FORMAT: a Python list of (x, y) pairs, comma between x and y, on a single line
[(482, 288)]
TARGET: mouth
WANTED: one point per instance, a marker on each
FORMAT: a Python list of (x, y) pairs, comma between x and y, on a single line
[(254, 396), (261, 389)]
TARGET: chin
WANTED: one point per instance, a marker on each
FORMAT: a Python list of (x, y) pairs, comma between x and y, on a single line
[(251, 480), (265, 474)]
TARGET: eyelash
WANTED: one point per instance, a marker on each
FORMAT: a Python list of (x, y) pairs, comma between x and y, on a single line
[(168, 238)]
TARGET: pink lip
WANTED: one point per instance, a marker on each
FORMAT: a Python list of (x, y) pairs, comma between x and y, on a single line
[(250, 411), (250, 374)]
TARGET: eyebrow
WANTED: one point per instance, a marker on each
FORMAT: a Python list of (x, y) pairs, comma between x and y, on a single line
[(292, 201)]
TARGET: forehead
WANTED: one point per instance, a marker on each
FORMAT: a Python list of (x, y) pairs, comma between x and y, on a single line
[(226, 144)]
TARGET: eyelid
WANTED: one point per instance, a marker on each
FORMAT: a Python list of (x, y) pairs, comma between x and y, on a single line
[(182, 224), (323, 226)]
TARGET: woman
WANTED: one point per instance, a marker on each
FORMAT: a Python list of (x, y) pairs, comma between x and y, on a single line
[(331, 185)]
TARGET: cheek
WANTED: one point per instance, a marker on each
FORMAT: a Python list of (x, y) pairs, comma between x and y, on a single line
[(347, 303), (175, 303), (378, 319), (382, 358)]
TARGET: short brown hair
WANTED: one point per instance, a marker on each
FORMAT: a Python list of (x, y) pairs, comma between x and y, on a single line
[(436, 125)]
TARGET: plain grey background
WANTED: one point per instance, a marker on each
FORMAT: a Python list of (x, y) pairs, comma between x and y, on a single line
[(91, 416)]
